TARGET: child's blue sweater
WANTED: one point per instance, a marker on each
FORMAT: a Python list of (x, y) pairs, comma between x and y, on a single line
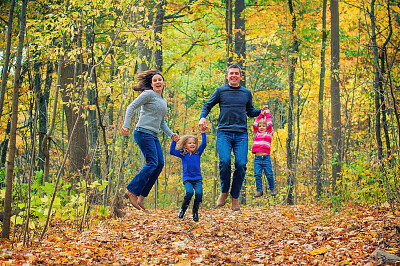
[(190, 162)]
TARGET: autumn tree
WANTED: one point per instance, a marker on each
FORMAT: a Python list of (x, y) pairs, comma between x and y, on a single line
[(14, 121), (335, 95)]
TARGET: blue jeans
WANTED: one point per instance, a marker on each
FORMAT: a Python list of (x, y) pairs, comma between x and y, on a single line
[(150, 146), (194, 187), (263, 163), (226, 142)]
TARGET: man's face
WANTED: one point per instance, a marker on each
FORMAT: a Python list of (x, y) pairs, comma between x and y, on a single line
[(234, 77)]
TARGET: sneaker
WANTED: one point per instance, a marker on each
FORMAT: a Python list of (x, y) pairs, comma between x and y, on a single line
[(259, 194), (273, 192)]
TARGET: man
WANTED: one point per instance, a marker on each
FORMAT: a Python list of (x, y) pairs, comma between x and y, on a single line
[(235, 102)]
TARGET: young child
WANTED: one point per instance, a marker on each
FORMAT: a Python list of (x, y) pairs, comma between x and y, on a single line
[(261, 148), (189, 152)]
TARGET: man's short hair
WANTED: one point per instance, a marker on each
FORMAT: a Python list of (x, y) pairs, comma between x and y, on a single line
[(234, 66)]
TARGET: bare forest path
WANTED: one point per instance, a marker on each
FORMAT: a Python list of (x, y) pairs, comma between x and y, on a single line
[(273, 235)]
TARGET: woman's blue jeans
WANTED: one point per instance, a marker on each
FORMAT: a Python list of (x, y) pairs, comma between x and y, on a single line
[(194, 187), (150, 146), (226, 142), (261, 163)]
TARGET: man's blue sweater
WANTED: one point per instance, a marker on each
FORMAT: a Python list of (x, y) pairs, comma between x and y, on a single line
[(234, 104)]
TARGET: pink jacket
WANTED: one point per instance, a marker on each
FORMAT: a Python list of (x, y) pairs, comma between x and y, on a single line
[(262, 141)]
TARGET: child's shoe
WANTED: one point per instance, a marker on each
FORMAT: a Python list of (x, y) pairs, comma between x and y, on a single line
[(183, 209), (195, 211), (259, 194), (273, 192)]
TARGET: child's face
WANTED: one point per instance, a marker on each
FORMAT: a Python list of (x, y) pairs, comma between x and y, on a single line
[(262, 127), (191, 145)]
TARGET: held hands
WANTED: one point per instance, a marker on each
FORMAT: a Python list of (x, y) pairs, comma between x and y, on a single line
[(203, 124), (175, 137), (125, 131), (265, 110), (203, 129)]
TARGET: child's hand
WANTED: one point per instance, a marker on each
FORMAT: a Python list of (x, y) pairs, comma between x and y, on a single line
[(125, 131), (203, 128), (265, 110), (175, 137)]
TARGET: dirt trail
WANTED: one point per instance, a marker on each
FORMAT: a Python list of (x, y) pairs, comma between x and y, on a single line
[(277, 235)]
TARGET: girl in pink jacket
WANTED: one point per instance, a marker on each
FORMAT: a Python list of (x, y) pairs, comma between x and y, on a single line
[(261, 148)]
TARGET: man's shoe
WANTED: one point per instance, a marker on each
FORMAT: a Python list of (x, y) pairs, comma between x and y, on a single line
[(259, 194), (235, 204), (273, 192), (222, 199), (133, 199)]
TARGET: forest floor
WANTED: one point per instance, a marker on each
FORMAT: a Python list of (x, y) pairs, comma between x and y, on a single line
[(272, 235)]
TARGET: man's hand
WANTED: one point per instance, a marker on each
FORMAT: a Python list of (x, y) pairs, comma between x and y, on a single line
[(265, 110), (203, 124), (125, 131)]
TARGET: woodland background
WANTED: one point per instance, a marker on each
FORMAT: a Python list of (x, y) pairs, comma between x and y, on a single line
[(328, 71)]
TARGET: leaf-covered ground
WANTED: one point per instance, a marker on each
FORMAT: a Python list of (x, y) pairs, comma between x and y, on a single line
[(273, 235)]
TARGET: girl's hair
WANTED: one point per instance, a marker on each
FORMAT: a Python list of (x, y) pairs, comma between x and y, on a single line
[(262, 121), (144, 80), (182, 143)]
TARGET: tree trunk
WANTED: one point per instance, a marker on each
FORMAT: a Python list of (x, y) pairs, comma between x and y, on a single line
[(92, 118), (240, 51), (292, 70), (43, 100), (79, 147), (72, 74), (229, 35), (320, 137), (4, 74), (377, 82), (240, 38), (14, 121), (4, 144), (382, 91), (158, 27), (335, 96)]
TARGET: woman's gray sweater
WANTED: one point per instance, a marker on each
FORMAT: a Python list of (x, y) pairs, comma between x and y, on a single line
[(152, 112)]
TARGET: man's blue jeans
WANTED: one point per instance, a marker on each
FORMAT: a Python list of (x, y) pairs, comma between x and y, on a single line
[(194, 187), (261, 163), (226, 142), (150, 146)]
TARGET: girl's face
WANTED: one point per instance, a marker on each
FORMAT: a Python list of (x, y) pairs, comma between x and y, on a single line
[(191, 145), (262, 127), (157, 83)]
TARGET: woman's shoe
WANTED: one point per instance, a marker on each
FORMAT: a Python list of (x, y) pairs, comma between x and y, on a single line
[(132, 198)]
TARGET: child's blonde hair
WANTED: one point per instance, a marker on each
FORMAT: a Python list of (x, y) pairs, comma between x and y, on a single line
[(262, 121), (182, 143)]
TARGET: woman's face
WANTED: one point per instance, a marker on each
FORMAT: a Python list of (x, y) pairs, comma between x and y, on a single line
[(157, 83)]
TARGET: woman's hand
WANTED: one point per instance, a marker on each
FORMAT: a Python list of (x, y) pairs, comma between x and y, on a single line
[(175, 137), (125, 131)]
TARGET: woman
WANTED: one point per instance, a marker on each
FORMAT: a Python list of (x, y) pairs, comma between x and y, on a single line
[(153, 108)]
